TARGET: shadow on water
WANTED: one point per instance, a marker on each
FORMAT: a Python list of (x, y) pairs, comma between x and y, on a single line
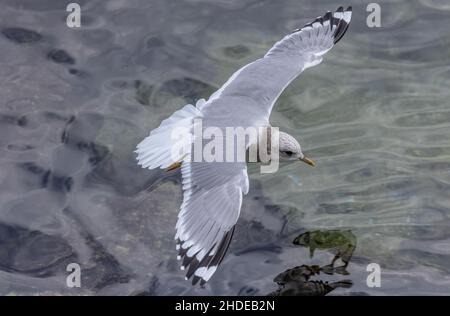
[(306, 280)]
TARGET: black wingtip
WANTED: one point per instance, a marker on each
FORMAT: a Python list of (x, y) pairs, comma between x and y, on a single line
[(343, 23), (192, 264), (340, 23), (195, 280)]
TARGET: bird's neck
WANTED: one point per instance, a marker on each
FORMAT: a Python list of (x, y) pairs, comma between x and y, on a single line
[(261, 150)]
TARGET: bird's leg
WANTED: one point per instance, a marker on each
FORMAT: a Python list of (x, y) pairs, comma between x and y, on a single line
[(174, 166), (177, 164)]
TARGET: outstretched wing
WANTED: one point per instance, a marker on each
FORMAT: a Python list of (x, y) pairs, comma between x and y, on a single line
[(212, 202), (253, 90)]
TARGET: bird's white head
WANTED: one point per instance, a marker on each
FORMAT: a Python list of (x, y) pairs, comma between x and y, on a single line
[(291, 150)]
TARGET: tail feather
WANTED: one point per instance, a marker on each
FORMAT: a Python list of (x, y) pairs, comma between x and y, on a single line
[(159, 149)]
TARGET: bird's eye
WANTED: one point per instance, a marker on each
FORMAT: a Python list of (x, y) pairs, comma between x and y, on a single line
[(289, 153)]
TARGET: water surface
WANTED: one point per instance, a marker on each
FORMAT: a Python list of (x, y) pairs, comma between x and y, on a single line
[(375, 116)]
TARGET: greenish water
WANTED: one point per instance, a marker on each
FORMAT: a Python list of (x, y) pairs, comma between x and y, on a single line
[(374, 115)]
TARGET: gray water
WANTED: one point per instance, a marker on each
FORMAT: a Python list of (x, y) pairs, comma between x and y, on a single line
[(74, 103)]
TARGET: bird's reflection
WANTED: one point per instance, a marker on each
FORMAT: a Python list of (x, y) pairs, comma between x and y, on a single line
[(299, 281)]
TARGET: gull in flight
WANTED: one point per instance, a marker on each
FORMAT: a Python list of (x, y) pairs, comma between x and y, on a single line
[(213, 191)]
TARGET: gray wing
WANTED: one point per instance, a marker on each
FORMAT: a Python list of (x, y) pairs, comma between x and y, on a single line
[(212, 202), (253, 90), (213, 191)]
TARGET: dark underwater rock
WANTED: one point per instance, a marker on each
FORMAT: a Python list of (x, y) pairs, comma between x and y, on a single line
[(77, 72), (21, 35), (237, 51), (188, 88), (45, 178), (107, 269), (19, 147), (60, 56), (143, 92), (103, 269), (15, 120), (32, 252)]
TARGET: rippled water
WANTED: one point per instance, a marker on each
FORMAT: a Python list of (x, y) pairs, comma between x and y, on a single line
[(74, 103)]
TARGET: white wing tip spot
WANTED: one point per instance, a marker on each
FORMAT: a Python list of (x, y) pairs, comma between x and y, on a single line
[(205, 272)]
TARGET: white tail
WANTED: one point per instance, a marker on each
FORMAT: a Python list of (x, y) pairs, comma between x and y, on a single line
[(156, 150)]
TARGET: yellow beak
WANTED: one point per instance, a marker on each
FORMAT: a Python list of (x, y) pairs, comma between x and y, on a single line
[(308, 161)]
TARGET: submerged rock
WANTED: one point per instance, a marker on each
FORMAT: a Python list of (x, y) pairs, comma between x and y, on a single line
[(297, 282), (106, 270), (32, 252), (236, 51), (21, 35), (60, 56), (78, 72), (143, 92), (38, 176), (341, 241), (15, 120), (187, 88)]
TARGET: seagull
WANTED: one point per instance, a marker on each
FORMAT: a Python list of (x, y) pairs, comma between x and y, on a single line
[(213, 191)]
